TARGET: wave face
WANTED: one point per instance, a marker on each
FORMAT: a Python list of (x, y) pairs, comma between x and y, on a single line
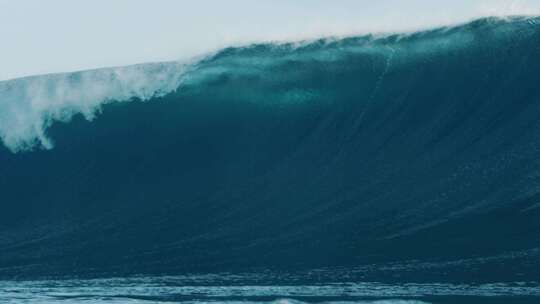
[(330, 153)]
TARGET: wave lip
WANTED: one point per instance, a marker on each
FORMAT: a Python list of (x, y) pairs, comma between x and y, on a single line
[(28, 106)]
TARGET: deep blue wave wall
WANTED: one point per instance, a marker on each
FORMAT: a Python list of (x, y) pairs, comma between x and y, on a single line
[(330, 153)]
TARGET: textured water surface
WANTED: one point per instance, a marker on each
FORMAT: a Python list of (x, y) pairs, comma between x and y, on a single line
[(207, 288)]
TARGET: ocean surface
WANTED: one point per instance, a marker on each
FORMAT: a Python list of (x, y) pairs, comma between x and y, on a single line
[(244, 288), (395, 168)]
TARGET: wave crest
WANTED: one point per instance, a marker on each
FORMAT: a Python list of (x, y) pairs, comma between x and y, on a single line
[(29, 105)]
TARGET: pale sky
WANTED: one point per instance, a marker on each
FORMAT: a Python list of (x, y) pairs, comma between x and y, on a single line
[(38, 37)]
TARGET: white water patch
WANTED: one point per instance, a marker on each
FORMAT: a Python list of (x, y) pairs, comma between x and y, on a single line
[(29, 105)]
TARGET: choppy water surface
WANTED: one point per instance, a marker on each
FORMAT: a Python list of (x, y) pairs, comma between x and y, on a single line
[(228, 288)]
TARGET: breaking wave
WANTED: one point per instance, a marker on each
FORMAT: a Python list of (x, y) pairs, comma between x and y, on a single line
[(334, 152)]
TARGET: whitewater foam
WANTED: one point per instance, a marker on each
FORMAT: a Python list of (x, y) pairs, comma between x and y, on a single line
[(29, 105)]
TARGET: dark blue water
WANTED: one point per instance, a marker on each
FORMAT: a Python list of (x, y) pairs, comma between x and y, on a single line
[(410, 158)]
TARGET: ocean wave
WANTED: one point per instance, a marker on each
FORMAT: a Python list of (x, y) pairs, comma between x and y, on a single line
[(336, 152)]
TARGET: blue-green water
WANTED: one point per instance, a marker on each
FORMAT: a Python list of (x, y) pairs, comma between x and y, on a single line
[(406, 166)]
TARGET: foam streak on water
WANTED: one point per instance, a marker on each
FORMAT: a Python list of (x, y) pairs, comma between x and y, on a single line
[(201, 289)]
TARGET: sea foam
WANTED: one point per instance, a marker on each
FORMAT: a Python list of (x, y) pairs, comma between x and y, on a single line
[(29, 105)]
